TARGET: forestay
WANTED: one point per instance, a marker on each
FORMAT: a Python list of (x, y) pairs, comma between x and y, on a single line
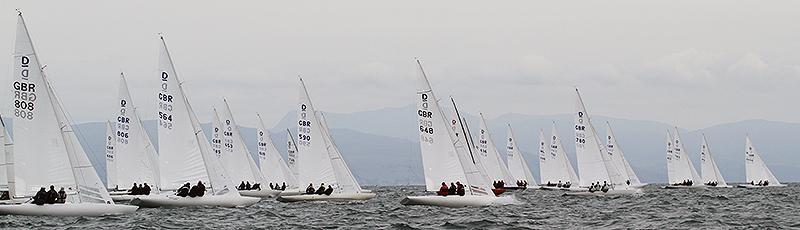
[(180, 156), (755, 169), (272, 165), (618, 157), (235, 155), (709, 170), (134, 154), (564, 172), (441, 159), (495, 168), (517, 164)]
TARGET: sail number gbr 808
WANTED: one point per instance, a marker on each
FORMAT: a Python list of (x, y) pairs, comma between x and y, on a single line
[(165, 103), (425, 120), (24, 93)]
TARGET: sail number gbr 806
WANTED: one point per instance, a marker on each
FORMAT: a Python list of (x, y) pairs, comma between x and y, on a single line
[(425, 120), (24, 92), (165, 103)]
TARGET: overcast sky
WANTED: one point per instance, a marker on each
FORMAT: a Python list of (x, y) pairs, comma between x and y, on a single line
[(689, 63)]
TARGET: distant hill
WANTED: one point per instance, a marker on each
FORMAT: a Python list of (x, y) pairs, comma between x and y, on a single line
[(381, 148)]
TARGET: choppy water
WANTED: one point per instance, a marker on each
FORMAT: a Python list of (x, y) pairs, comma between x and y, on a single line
[(656, 208)]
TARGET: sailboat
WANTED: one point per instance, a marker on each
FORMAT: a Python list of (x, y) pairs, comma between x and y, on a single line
[(487, 150), (185, 153), (709, 172), (680, 168), (615, 152), (272, 166), (756, 171), (47, 151), (446, 157), (597, 171), (517, 165), (555, 166), (132, 156), (319, 160), (236, 157)]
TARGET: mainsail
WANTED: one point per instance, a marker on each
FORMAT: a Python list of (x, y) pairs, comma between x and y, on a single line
[(235, 155), (564, 171), (47, 150), (708, 167), (445, 157), (272, 165), (291, 154), (134, 155), (594, 164), (185, 153), (516, 162), (495, 168), (755, 169), (683, 167), (618, 157), (111, 165)]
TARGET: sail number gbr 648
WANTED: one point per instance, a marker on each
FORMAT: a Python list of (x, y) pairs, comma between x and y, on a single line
[(425, 120)]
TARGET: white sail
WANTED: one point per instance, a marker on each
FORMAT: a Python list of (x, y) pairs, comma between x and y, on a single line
[(314, 163), (111, 165), (564, 170), (186, 155), (684, 168), (618, 157), (272, 165), (708, 167), (6, 161), (443, 153), (549, 168), (39, 157), (755, 169), (235, 155), (495, 168), (134, 154), (516, 162), (594, 164), (347, 182), (216, 133), (672, 177), (291, 154)]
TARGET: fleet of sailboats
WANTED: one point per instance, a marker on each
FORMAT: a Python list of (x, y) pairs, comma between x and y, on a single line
[(450, 154)]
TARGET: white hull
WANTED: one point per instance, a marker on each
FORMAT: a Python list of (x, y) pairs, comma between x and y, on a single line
[(118, 193), (719, 186), (609, 193), (684, 187), (332, 197), (15, 201), (70, 209), (260, 193), (289, 193), (457, 201), (176, 201), (756, 186), (555, 188)]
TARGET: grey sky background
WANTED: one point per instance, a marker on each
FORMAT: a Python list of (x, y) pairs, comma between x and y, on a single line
[(690, 63)]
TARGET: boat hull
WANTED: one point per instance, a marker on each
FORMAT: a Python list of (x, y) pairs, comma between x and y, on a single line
[(69, 209), (332, 197), (756, 186), (683, 187), (456, 201), (176, 201), (609, 193), (260, 193), (554, 188)]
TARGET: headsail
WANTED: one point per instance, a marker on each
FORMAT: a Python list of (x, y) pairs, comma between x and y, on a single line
[(6, 161), (272, 165), (135, 156), (708, 167), (347, 182), (755, 169), (618, 157), (516, 162)]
